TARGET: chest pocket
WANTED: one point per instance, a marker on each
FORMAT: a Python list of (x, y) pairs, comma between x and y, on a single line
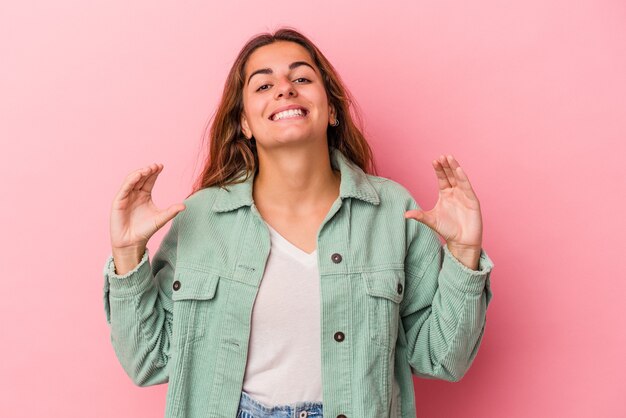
[(193, 296), (385, 290)]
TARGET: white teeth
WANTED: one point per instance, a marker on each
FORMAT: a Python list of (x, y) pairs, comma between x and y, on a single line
[(288, 114)]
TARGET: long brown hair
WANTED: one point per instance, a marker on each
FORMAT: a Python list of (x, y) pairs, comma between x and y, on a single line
[(231, 154)]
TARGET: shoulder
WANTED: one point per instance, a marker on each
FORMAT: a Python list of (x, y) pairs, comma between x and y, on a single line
[(200, 202), (203, 197), (390, 191)]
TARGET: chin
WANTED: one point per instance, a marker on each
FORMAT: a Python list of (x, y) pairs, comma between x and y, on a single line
[(293, 137)]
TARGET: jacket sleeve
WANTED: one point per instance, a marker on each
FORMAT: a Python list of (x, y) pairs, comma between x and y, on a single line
[(443, 311), (138, 308)]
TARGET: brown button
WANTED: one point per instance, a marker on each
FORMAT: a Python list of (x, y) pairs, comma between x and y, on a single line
[(341, 416), (336, 258), (176, 285), (399, 288), (339, 336)]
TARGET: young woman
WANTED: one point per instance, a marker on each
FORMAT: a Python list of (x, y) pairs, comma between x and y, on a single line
[(293, 281)]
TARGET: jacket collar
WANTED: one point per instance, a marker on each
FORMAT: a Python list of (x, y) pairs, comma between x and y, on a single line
[(354, 183)]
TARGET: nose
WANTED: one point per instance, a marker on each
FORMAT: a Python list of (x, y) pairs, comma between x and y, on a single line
[(285, 88)]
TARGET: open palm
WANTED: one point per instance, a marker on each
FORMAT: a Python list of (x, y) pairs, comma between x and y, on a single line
[(134, 217), (456, 215)]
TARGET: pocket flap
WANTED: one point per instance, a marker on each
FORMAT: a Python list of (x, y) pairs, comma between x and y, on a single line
[(194, 284), (388, 284)]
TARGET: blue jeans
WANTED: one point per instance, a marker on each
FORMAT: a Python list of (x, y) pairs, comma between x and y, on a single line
[(251, 408)]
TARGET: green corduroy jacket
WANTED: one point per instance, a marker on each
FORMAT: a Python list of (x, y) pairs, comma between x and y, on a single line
[(394, 302)]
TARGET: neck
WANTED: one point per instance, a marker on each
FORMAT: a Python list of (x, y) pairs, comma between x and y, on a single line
[(296, 178)]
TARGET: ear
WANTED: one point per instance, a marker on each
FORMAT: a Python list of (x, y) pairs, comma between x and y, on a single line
[(332, 114), (244, 126)]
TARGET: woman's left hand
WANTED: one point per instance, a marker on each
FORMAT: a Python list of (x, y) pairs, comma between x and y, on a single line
[(456, 216)]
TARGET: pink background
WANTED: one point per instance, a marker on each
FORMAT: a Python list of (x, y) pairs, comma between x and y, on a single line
[(528, 95)]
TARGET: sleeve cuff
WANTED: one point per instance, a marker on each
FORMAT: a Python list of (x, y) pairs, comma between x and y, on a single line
[(464, 278), (129, 284)]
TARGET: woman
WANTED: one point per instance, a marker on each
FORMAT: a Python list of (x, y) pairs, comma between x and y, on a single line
[(291, 282)]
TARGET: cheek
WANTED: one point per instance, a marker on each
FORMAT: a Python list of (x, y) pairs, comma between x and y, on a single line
[(248, 115), (322, 101), (253, 111)]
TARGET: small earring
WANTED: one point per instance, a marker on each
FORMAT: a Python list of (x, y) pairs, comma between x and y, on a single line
[(335, 123)]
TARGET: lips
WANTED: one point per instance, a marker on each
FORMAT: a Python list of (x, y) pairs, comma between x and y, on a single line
[(290, 107)]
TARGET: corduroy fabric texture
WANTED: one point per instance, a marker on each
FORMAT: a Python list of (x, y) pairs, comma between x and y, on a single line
[(394, 302)]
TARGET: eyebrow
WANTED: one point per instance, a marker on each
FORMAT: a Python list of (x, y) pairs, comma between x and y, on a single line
[(269, 70)]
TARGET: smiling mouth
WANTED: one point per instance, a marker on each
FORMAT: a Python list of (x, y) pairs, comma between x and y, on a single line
[(289, 114)]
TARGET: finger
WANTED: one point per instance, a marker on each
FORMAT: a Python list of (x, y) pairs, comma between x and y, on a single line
[(442, 179), (150, 171), (129, 183), (168, 214), (446, 168), (425, 217), (461, 178), (151, 179), (139, 170)]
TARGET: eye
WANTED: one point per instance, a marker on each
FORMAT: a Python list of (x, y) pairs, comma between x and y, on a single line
[(302, 78), (261, 88)]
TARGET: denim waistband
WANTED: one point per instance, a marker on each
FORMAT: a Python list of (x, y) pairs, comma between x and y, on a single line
[(251, 408)]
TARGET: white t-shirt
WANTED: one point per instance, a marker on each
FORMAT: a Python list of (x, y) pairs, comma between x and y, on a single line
[(284, 356)]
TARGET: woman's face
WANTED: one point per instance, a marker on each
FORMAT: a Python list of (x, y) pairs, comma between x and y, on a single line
[(278, 77)]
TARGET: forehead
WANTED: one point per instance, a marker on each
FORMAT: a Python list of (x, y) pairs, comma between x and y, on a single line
[(276, 55)]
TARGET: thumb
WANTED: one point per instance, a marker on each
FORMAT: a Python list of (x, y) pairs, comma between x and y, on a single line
[(425, 217), (168, 214)]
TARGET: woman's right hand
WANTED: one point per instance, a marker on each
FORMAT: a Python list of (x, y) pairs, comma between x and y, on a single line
[(134, 217)]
